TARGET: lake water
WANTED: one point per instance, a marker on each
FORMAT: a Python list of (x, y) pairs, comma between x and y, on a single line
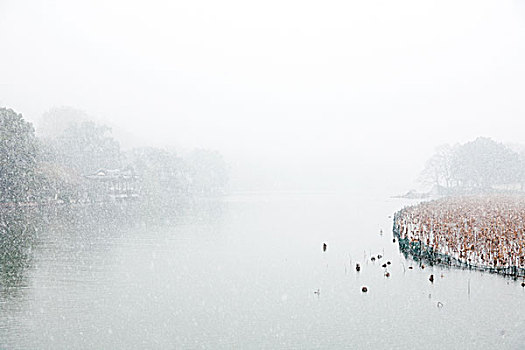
[(240, 273)]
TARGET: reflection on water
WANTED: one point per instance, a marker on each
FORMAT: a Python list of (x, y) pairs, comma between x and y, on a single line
[(17, 236), (247, 271)]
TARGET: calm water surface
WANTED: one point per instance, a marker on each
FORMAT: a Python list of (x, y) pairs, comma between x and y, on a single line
[(241, 273)]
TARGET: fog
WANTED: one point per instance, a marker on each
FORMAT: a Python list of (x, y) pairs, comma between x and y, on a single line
[(278, 174), (296, 95)]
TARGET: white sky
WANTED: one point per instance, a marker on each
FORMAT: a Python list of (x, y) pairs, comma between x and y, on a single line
[(372, 85)]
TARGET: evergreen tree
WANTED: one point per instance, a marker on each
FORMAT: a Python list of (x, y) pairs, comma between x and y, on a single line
[(18, 157)]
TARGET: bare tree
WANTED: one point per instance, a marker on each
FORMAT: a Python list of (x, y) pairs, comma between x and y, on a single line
[(438, 169)]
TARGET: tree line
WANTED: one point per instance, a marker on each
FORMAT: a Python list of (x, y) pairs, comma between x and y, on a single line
[(54, 163), (480, 165)]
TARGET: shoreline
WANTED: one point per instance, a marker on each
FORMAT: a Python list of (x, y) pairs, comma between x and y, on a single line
[(411, 239)]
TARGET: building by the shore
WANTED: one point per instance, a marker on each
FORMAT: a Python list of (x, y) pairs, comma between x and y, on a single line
[(112, 184)]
